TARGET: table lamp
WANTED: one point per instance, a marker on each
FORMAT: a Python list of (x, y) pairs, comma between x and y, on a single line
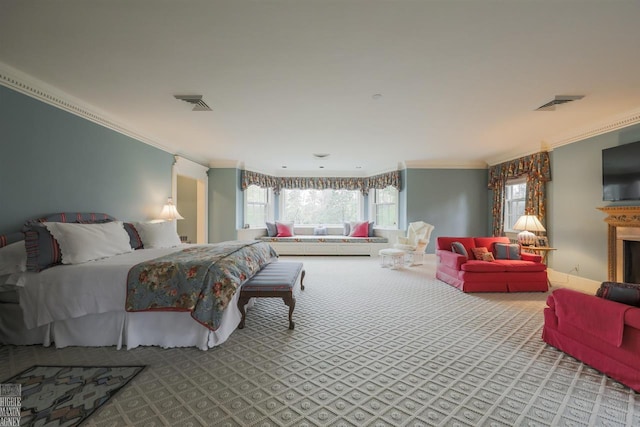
[(169, 211), (528, 223)]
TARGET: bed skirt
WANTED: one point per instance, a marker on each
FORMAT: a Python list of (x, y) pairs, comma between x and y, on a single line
[(120, 329)]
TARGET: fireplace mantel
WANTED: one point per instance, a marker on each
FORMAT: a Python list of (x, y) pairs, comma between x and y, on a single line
[(624, 223)]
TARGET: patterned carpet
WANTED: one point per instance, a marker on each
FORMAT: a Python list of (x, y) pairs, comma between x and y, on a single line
[(371, 347)]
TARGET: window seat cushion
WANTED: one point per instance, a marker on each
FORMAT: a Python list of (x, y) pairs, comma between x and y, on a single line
[(324, 239)]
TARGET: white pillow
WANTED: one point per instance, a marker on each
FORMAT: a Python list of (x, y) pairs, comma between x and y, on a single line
[(81, 243), (158, 234), (13, 258)]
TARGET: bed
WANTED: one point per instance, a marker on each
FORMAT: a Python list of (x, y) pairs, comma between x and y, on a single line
[(65, 304)]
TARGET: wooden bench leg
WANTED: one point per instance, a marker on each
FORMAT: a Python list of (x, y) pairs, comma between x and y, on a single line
[(301, 280), (242, 301), (291, 302)]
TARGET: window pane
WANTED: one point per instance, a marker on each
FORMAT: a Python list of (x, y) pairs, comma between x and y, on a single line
[(514, 203), (385, 207), (256, 206), (320, 206)]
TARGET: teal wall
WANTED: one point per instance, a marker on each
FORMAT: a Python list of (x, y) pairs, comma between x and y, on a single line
[(53, 161), (575, 227), (454, 201), (225, 204)]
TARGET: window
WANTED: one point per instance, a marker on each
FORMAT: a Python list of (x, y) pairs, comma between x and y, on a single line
[(257, 206), (320, 206), (514, 202), (384, 207)]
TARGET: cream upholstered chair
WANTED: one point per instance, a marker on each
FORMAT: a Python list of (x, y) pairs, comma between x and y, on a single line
[(418, 235)]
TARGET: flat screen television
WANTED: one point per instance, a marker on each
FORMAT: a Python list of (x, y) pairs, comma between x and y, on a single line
[(621, 172)]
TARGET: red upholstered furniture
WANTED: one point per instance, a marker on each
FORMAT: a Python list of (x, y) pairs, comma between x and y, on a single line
[(603, 334), (527, 274)]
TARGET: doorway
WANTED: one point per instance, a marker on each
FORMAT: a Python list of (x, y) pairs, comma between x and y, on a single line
[(190, 185)]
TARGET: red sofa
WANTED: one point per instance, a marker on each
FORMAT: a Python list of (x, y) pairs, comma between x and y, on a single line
[(603, 334), (527, 274)]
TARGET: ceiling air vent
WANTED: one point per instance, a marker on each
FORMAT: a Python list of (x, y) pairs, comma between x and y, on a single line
[(196, 100), (559, 99)]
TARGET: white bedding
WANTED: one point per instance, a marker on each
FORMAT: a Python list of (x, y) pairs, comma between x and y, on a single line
[(69, 291), (83, 305)]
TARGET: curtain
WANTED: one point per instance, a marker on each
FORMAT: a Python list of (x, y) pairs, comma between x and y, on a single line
[(364, 184), (537, 170)]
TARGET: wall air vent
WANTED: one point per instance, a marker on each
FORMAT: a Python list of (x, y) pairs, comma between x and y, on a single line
[(196, 100), (559, 99)]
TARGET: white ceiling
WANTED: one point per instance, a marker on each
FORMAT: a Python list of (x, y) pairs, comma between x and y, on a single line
[(459, 80)]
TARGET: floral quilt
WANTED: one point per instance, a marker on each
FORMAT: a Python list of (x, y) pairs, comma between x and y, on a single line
[(199, 279)]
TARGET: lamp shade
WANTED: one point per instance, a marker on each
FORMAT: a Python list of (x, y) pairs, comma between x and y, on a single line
[(528, 223), (169, 211)]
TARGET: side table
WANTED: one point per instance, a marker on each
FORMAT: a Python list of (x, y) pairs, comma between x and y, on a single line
[(539, 250)]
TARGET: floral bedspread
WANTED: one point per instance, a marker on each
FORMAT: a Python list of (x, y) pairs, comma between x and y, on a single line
[(199, 279)]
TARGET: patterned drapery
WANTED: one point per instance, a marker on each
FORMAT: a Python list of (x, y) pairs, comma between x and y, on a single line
[(537, 170), (364, 184)]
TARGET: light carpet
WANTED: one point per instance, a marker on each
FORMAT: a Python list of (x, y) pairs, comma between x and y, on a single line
[(371, 346)]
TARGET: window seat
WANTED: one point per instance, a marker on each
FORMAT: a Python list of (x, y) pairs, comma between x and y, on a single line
[(305, 243)]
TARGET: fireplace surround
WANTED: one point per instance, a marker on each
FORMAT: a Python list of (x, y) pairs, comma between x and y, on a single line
[(623, 226)]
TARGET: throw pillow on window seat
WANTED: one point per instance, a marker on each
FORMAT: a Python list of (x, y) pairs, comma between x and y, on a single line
[(320, 231), (272, 230), (359, 229), (285, 229)]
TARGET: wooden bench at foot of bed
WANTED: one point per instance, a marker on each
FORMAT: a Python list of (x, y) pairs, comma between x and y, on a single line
[(275, 280)]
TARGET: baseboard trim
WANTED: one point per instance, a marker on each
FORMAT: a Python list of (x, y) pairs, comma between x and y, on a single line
[(577, 283)]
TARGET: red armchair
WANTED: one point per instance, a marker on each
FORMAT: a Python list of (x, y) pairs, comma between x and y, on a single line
[(527, 274)]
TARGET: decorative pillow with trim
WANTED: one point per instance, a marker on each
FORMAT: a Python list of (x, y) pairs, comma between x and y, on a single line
[(346, 229), (285, 229), (80, 243), (134, 238), (359, 229), (371, 224), (43, 250), (507, 250), (458, 248), (625, 293), (478, 253)]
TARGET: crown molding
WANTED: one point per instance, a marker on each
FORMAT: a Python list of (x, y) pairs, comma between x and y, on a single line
[(610, 124), (428, 164), (34, 88)]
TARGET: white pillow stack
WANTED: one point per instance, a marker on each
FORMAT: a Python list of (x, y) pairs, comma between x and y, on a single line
[(80, 243), (158, 234)]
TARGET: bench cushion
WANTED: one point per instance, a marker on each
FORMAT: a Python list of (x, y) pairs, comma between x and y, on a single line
[(276, 276)]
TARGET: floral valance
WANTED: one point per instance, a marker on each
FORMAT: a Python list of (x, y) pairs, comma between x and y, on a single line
[(536, 166), (320, 183)]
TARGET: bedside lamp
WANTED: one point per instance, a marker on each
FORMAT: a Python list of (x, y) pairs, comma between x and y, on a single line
[(528, 223), (169, 211)]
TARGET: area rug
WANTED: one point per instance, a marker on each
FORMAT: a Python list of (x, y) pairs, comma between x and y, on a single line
[(68, 395)]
